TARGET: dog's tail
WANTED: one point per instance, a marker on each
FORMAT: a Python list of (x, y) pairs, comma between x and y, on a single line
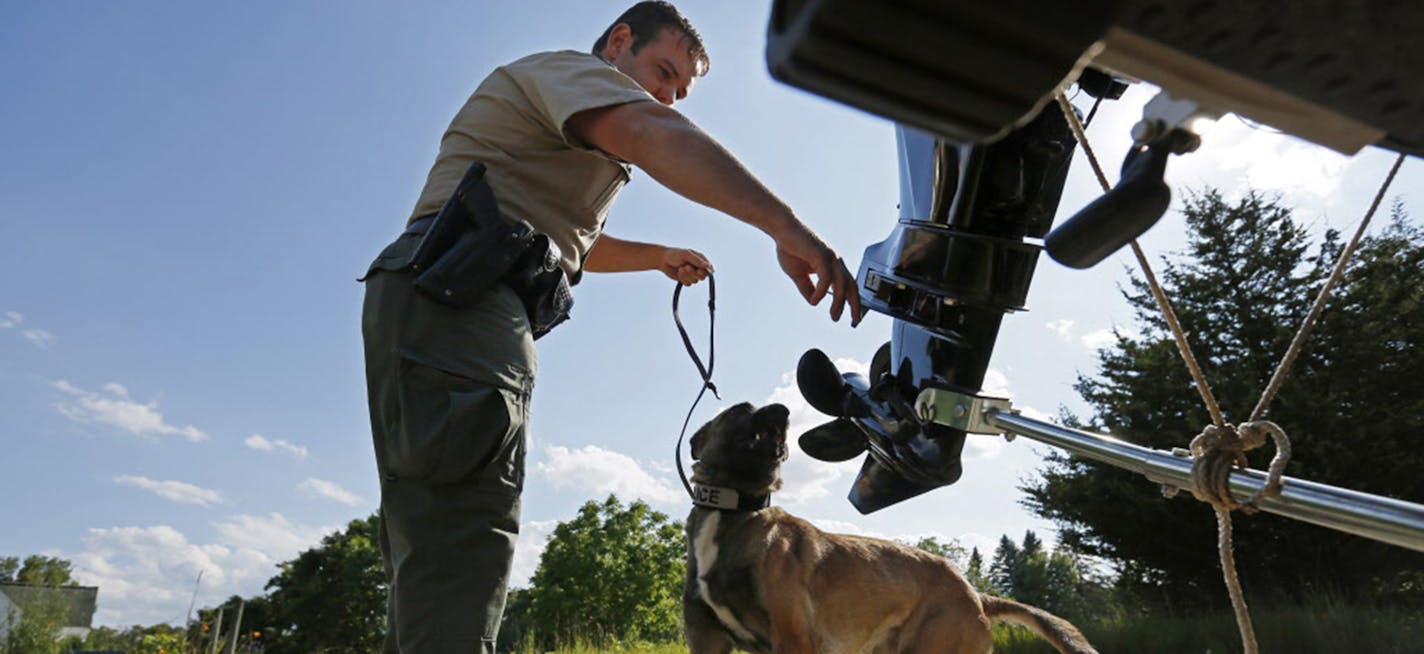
[(1063, 635)]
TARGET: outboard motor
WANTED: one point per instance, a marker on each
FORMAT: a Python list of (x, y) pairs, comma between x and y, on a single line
[(984, 153), (983, 156), (958, 259)]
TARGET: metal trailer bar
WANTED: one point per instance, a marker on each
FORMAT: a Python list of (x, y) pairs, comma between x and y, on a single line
[(1379, 518)]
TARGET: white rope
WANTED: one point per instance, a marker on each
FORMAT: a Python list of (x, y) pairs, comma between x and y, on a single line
[(1220, 447), (1289, 359)]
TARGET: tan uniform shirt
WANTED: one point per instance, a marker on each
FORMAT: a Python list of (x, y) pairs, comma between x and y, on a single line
[(514, 124)]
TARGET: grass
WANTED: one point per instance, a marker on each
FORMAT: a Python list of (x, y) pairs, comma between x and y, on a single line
[(635, 647), (1325, 626)]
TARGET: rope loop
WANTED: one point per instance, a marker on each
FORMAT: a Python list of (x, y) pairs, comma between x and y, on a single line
[(1256, 431)]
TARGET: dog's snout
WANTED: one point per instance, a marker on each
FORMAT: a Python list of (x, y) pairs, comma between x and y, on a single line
[(772, 416)]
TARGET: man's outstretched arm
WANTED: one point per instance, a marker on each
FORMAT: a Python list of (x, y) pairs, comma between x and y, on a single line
[(680, 156)]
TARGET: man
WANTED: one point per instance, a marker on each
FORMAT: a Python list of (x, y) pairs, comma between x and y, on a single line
[(449, 387)]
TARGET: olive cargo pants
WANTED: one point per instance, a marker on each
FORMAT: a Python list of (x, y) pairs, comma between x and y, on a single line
[(449, 396)]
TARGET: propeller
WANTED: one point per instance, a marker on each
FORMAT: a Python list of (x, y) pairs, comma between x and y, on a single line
[(821, 383), (836, 441)]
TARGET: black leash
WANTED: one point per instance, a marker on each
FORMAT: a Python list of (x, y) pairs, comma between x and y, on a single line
[(705, 372)]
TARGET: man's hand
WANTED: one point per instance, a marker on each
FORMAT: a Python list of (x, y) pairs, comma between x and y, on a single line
[(686, 267), (802, 254)]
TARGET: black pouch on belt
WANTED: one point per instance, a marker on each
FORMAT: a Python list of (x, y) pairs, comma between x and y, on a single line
[(471, 246), (542, 284)]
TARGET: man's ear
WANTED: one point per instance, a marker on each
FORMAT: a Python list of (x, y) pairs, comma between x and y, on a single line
[(620, 38), (698, 440)]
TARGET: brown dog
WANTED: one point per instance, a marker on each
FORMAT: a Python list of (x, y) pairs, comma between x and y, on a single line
[(761, 580)]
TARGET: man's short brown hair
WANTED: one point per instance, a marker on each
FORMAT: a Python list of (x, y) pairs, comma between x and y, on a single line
[(648, 19)]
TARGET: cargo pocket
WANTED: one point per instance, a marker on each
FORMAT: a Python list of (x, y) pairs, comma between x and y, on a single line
[(454, 428)]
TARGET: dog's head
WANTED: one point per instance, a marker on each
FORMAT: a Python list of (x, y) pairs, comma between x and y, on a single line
[(742, 449)]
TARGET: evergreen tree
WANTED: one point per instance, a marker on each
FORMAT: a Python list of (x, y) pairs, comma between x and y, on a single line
[(975, 573), (1031, 545), (1353, 406), (1004, 565)]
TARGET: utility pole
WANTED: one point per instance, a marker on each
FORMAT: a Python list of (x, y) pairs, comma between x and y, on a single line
[(195, 597), (217, 631), (236, 628)]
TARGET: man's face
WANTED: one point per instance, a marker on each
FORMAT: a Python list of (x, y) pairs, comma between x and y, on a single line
[(663, 66)]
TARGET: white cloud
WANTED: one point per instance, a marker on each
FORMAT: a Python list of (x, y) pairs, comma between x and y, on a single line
[(805, 478), (114, 408), (980, 447), (533, 538), (181, 492), (1262, 159), (1101, 338), (146, 574), (602, 471), (1063, 328), (272, 535), (832, 526), (330, 490), (40, 337), (996, 384), (259, 442), (968, 540), (984, 543)]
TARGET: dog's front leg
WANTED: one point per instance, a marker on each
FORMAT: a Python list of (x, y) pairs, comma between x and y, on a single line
[(790, 624), (705, 635), (791, 637)]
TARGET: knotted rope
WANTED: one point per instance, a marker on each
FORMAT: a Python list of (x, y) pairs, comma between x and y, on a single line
[(1217, 450), (1220, 447)]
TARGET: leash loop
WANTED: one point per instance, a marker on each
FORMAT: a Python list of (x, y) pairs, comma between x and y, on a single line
[(704, 371)]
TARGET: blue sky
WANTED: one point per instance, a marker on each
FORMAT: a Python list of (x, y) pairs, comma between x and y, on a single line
[(187, 193)]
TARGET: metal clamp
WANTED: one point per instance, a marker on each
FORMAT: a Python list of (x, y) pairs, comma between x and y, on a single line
[(959, 410), (1178, 122)]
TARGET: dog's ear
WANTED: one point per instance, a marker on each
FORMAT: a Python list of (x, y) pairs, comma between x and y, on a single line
[(698, 440)]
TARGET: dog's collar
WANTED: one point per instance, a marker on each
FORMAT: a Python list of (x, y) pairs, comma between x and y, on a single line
[(727, 499)]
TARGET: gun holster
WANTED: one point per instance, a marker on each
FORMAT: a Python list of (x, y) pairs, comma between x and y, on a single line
[(471, 246)]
